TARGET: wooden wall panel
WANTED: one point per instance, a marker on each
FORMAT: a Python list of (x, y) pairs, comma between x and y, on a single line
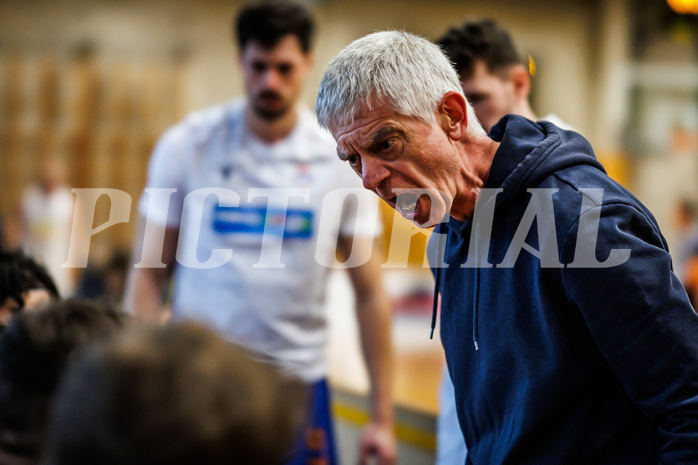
[(100, 114)]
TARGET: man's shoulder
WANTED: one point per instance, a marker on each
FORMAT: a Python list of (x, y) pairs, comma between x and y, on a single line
[(312, 133), (580, 177), (597, 187)]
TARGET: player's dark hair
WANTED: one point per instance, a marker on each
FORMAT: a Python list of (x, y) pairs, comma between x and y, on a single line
[(479, 40), (20, 273), (269, 22), (173, 395)]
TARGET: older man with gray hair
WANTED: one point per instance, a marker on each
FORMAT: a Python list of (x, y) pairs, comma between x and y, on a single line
[(583, 341)]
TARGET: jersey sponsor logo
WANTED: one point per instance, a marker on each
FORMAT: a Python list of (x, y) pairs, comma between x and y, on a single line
[(292, 223)]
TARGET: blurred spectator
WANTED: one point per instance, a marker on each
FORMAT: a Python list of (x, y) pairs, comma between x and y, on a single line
[(173, 395), (105, 282), (34, 351), (687, 227), (24, 284), (46, 220), (685, 256)]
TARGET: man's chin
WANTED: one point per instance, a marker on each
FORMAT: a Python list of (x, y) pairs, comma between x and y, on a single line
[(429, 218)]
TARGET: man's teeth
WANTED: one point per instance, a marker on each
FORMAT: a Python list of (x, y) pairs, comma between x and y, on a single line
[(407, 203)]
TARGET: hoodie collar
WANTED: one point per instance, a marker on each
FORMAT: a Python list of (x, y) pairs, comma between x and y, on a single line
[(519, 137)]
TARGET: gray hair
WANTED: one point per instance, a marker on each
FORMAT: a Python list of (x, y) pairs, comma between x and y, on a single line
[(396, 69)]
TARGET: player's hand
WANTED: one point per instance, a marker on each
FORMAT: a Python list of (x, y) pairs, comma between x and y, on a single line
[(378, 441)]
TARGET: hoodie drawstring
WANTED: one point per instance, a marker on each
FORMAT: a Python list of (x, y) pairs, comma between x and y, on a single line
[(437, 282), (476, 299), (437, 288)]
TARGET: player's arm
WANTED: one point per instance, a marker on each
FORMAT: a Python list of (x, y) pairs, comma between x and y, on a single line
[(145, 287), (374, 316), (155, 247)]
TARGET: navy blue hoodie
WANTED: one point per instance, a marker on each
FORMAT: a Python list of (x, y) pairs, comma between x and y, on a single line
[(559, 356)]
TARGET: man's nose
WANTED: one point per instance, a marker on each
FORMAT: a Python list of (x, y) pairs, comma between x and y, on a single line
[(271, 79), (373, 172)]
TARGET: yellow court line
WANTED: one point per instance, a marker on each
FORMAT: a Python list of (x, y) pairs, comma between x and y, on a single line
[(404, 433)]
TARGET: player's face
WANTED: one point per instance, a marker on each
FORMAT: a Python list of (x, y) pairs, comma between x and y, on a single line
[(393, 155), (33, 298), (8, 309), (491, 95), (274, 76)]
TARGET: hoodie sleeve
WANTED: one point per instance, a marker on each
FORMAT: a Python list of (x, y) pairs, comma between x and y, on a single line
[(641, 320)]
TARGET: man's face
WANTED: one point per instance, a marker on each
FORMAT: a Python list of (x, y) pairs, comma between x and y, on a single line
[(492, 95), (393, 154), (274, 76)]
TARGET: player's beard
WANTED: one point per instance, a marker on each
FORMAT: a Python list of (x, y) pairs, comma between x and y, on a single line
[(269, 114)]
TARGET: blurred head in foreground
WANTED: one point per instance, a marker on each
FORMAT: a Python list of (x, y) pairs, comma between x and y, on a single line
[(34, 352), (173, 395)]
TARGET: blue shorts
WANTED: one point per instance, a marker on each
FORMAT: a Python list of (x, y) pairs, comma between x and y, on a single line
[(316, 445)]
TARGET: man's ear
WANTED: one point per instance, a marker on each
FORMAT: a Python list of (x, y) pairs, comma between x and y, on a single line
[(521, 81), (453, 115)]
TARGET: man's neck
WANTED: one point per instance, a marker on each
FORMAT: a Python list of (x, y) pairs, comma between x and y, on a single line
[(271, 131), (524, 109), (481, 150)]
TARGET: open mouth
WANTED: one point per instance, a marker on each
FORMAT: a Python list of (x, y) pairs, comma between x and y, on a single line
[(406, 204)]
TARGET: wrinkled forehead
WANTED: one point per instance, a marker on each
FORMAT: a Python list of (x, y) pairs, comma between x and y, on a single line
[(351, 107), (364, 123)]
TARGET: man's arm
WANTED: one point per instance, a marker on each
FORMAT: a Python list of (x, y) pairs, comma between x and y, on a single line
[(374, 315), (145, 287), (641, 321)]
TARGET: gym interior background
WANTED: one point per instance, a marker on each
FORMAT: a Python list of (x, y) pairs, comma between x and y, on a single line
[(95, 82)]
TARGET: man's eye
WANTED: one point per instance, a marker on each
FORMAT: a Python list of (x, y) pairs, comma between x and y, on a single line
[(386, 145), (259, 67), (285, 69), (353, 159)]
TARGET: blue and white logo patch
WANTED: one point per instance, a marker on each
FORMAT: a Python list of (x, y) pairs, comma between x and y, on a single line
[(292, 223)]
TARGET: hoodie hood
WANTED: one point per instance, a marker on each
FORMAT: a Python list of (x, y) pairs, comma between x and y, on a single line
[(530, 152)]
